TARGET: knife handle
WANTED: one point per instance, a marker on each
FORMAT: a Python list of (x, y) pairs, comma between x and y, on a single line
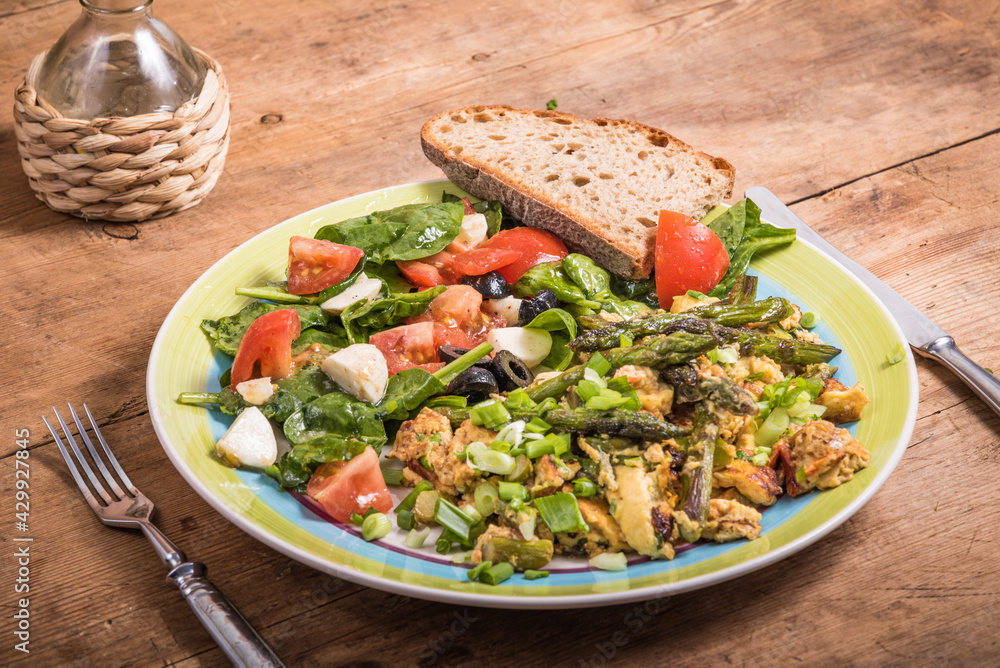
[(981, 381)]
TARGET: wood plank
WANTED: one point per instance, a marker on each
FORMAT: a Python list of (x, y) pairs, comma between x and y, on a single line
[(919, 555)]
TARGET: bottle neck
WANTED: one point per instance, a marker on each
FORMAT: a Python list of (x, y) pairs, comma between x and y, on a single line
[(116, 7)]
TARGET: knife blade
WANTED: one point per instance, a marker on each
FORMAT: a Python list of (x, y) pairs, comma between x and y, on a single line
[(925, 336)]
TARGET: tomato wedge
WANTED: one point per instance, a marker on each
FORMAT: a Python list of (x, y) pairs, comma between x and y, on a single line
[(689, 256), (408, 346), (420, 273), (534, 246), (266, 347), (316, 264), (479, 261), (354, 486)]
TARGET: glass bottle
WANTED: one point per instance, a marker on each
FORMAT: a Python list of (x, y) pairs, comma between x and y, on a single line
[(117, 59)]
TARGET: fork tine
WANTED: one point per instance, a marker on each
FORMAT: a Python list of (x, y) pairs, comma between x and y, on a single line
[(119, 492), (111, 456), (72, 468), (98, 487)]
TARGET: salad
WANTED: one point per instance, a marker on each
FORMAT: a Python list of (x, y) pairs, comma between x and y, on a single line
[(536, 404)]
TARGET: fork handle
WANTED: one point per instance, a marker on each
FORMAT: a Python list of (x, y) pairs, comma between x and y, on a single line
[(228, 627)]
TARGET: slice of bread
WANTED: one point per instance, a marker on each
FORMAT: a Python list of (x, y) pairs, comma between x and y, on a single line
[(599, 185)]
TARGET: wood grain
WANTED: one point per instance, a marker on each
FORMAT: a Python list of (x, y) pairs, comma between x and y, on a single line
[(878, 118)]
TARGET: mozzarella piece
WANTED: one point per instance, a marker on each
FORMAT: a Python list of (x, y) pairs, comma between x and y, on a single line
[(360, 370), (256, 391), (362, 289), (249, 442), (530, 345), (473, 230), (508, 307)]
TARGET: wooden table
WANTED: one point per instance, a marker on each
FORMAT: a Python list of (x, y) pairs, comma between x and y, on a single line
[(877, 120)]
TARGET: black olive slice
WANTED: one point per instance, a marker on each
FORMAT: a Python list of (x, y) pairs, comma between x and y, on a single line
[(449, 353), (490, 286), (475, 384), (531, 307), (510, 372)]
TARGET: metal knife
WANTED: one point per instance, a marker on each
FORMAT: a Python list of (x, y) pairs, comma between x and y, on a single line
[(923, 335)]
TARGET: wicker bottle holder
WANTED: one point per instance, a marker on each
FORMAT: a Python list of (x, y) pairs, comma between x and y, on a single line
[(124, 169)]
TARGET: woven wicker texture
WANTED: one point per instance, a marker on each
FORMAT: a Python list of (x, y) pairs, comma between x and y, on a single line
[(124, 169)]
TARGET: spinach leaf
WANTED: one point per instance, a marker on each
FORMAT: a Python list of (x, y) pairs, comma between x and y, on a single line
[(595, 281), (363, 319), (562, 326), (757, 235), (295, 468), (335, 414), (390, 275), (407, 232), (730, 226), (227, 332), (545, 276), (308, 383), (642, 290), (406, 391), (493, 211), (330, 341)]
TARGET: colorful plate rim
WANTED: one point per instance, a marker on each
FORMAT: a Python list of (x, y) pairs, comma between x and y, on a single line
[(181, 358)]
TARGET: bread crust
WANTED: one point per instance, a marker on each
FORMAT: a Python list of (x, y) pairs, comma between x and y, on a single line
[(627, 257)]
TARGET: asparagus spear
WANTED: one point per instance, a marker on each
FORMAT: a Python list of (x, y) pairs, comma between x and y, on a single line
[(609, 336), (521, 554), (675, 348), (696, 475), (722, 391), (627, 424)]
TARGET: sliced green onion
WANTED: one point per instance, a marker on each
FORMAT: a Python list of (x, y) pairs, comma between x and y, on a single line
[(586, 389), (448, 515), (584, 488), (393, 477), (515, 453), (897, 355), (411, 498), (513, 490), (713, 355), (512, 432), (754, 376), (519, 400), (522, 468), (425, 461), (773, 427), (475, 572), (560, 443), (490, 413), (809, 320), (443, 543), (537, 426), (494, 575), (744, 456), (500, 446), (609, 561), (406, 520), (462, 557), (527, 526), (470, 510), (493, 461), (760, 459), (535, 575), (357, 519), (376, 526), (416, 537), (547, 404), (560, 512), (697, 295), (536, 449), (599, 364), (449, 401), (728, 355), (485, 497), (800, 475)]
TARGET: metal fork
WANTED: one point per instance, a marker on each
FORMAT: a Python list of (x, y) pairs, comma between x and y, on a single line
[(127, 507)]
